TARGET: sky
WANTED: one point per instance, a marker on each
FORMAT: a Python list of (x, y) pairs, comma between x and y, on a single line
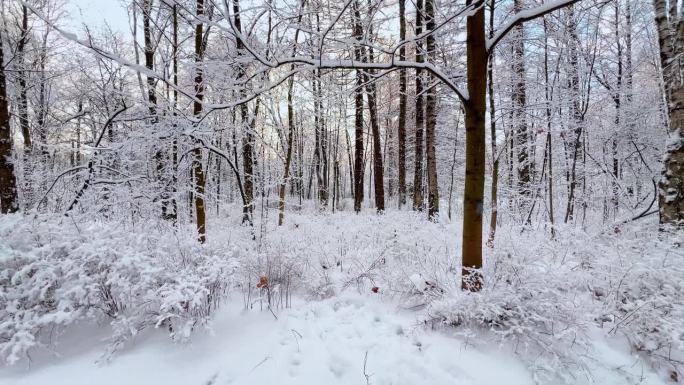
[(97, 13)]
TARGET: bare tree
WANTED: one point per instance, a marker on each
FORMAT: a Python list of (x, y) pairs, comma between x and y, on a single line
[(401, 134), (670, 25), (197, 166), (431, 115), (420, 117), (358, 115), (8, 181)]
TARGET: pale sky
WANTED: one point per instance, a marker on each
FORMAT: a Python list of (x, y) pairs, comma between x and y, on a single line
[(95, 13)]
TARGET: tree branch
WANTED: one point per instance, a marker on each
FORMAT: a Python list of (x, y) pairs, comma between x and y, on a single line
[(526, 16)]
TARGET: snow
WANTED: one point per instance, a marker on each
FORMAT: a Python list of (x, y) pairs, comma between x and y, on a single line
[(318, 342), (587, 308)]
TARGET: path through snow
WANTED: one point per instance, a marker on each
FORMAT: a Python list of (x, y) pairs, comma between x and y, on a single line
[(318, 343)]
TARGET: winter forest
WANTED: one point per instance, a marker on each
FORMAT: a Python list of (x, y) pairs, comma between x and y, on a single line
[(471, 192)]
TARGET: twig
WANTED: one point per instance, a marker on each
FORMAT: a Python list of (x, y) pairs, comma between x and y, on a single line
[(271, 310), (295, 334), (368, 376), (260, 363)]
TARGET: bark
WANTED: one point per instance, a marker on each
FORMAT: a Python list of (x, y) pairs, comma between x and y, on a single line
[(453, 164), (420, 119), (43, 107), (575, 116), (248, 136), (350, 159), (149, 58), (172, 213), (288, 156), (431, 118), (290, 135), (378, 169), (401, 134), (549, 147), (519, 99), (149, 50), (617, 98), (320, 151), (197, 168), (23, 98), (670, 25), (358, 116), (492, 137), (8, 181), (473, 194)]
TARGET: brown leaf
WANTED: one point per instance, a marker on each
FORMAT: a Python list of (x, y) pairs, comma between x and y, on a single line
[(263, 282)]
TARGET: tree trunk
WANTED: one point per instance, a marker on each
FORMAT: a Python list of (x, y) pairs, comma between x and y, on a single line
[(549, 147), (617, 98), (172, 213), (320, 154), (198, 170), (473, 194), (378, 169), (431, 117), (401, 135), (358, 116), (23, 98), (492, 137), (248, 136), (670, 27), (418, 161), (575, 115), (8, 181), (290, 135), (519, 99)]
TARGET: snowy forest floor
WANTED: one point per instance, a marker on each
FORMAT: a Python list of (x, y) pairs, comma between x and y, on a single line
[(601, 306)]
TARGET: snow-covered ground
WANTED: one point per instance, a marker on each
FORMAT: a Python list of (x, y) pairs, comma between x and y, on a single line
[(351, 339), (590, 307)]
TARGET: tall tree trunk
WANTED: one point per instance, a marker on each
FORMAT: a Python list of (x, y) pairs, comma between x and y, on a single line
[(358, 116), (670, 25), (248, 136), (288, 153), (401, 135), (320, 142), (629, 82), (431, 117), (519, 99), (22, 75), (290, 135), (152, 100), (197, 168), (352, 165), (418, 161), (149, 58), (371, 98), (172, 214), (43, 106), (8, 181), (617, 98), (492, 136), (473, 194), (577, 127), (549, 147)]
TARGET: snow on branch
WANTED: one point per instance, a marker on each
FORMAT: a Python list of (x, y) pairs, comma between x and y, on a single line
[(526, 16)]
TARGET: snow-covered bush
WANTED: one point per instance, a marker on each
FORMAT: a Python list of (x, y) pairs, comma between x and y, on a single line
[(644, 300), (550, 297), (527, 306), (54, 273)]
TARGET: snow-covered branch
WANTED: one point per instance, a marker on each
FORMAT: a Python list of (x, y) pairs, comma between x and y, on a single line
[(526, 16)]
